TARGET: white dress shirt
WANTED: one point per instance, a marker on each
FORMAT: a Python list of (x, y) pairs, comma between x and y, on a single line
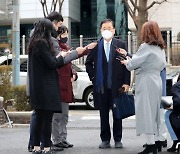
[(105, 48)]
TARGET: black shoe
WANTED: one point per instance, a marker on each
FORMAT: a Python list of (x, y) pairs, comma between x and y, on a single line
[(55, 148), (30, 148), (178, 149), (164, 144), (61, 145), (173, 148), (118, 145), (67, 143), (159, 145), (149, 149), (105, 145)]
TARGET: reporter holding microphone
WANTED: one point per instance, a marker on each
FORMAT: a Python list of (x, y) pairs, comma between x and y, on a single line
[(148, 62)]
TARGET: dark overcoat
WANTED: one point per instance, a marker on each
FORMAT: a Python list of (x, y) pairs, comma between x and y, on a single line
[(43, 78), (176, 97), (120, 75), (175, 114)]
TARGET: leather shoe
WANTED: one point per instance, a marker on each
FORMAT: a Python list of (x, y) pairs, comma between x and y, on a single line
[(173, 148), (30, 148), (67, 143), (118, 145), (164, 144), (178, 149), (55, 148), (61, 145), (105, 145)]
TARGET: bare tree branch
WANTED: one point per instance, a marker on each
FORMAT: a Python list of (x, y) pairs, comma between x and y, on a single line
[(128, 8), (134, 11), (131, 12), (44, 6), (60, 5), (155, 2), (134, 4), (53, 5)]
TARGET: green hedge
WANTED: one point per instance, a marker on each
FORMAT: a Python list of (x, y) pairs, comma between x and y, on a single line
[(18, 93), (5, 84), (21, 100)]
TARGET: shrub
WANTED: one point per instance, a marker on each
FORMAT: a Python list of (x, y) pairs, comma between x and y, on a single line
[(21, 100), (18, 93), (5, 83)]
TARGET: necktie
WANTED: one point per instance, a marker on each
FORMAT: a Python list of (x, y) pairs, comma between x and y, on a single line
[(109, 60), (107, 51)]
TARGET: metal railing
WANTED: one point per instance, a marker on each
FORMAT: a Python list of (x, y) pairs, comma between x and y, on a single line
[(172, 47)]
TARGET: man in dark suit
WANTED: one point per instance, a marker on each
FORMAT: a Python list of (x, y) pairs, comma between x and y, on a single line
[(172, 118), (109, 76)]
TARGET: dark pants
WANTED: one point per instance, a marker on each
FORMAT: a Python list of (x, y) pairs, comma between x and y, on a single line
[(41, 124), (31, 136), (32, 124), (106, 104), (175, 124)]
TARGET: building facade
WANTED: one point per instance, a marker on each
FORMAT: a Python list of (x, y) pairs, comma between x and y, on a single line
[(82, 17)]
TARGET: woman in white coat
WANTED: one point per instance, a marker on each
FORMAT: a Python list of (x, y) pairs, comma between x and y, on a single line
[(148, 62)]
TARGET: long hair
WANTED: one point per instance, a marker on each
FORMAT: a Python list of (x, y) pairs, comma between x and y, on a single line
[(151, 34), (42, 32)]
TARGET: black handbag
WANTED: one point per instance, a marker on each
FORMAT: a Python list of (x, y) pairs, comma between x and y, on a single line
[(123, 106)]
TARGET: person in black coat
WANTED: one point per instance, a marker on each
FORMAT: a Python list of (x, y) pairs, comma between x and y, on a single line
[(43, 83), (108, 77), (173, 117)]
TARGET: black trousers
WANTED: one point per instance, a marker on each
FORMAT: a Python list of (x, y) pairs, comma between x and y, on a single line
[(175, 124), (106, 104), (42, 127)]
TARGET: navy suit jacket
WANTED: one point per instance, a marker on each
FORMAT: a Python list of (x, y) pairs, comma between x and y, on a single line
[(176, 97), (120, 75)]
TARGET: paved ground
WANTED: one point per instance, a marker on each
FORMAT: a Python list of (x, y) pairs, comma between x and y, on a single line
[(83, 132)]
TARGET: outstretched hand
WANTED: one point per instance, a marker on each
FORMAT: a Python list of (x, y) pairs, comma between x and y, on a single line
[(126, 87), (80, 50), (62, 53), (121, 51), (91, 45), (125, 61)]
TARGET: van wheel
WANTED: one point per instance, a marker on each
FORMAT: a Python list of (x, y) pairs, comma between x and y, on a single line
[(89, 98)]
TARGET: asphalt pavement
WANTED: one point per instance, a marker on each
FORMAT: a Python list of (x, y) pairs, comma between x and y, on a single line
[(83, 132)]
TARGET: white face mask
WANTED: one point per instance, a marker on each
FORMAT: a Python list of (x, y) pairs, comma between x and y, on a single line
[(106, 34)]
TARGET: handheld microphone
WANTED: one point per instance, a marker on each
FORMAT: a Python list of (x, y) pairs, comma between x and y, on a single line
[(120, 56)]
